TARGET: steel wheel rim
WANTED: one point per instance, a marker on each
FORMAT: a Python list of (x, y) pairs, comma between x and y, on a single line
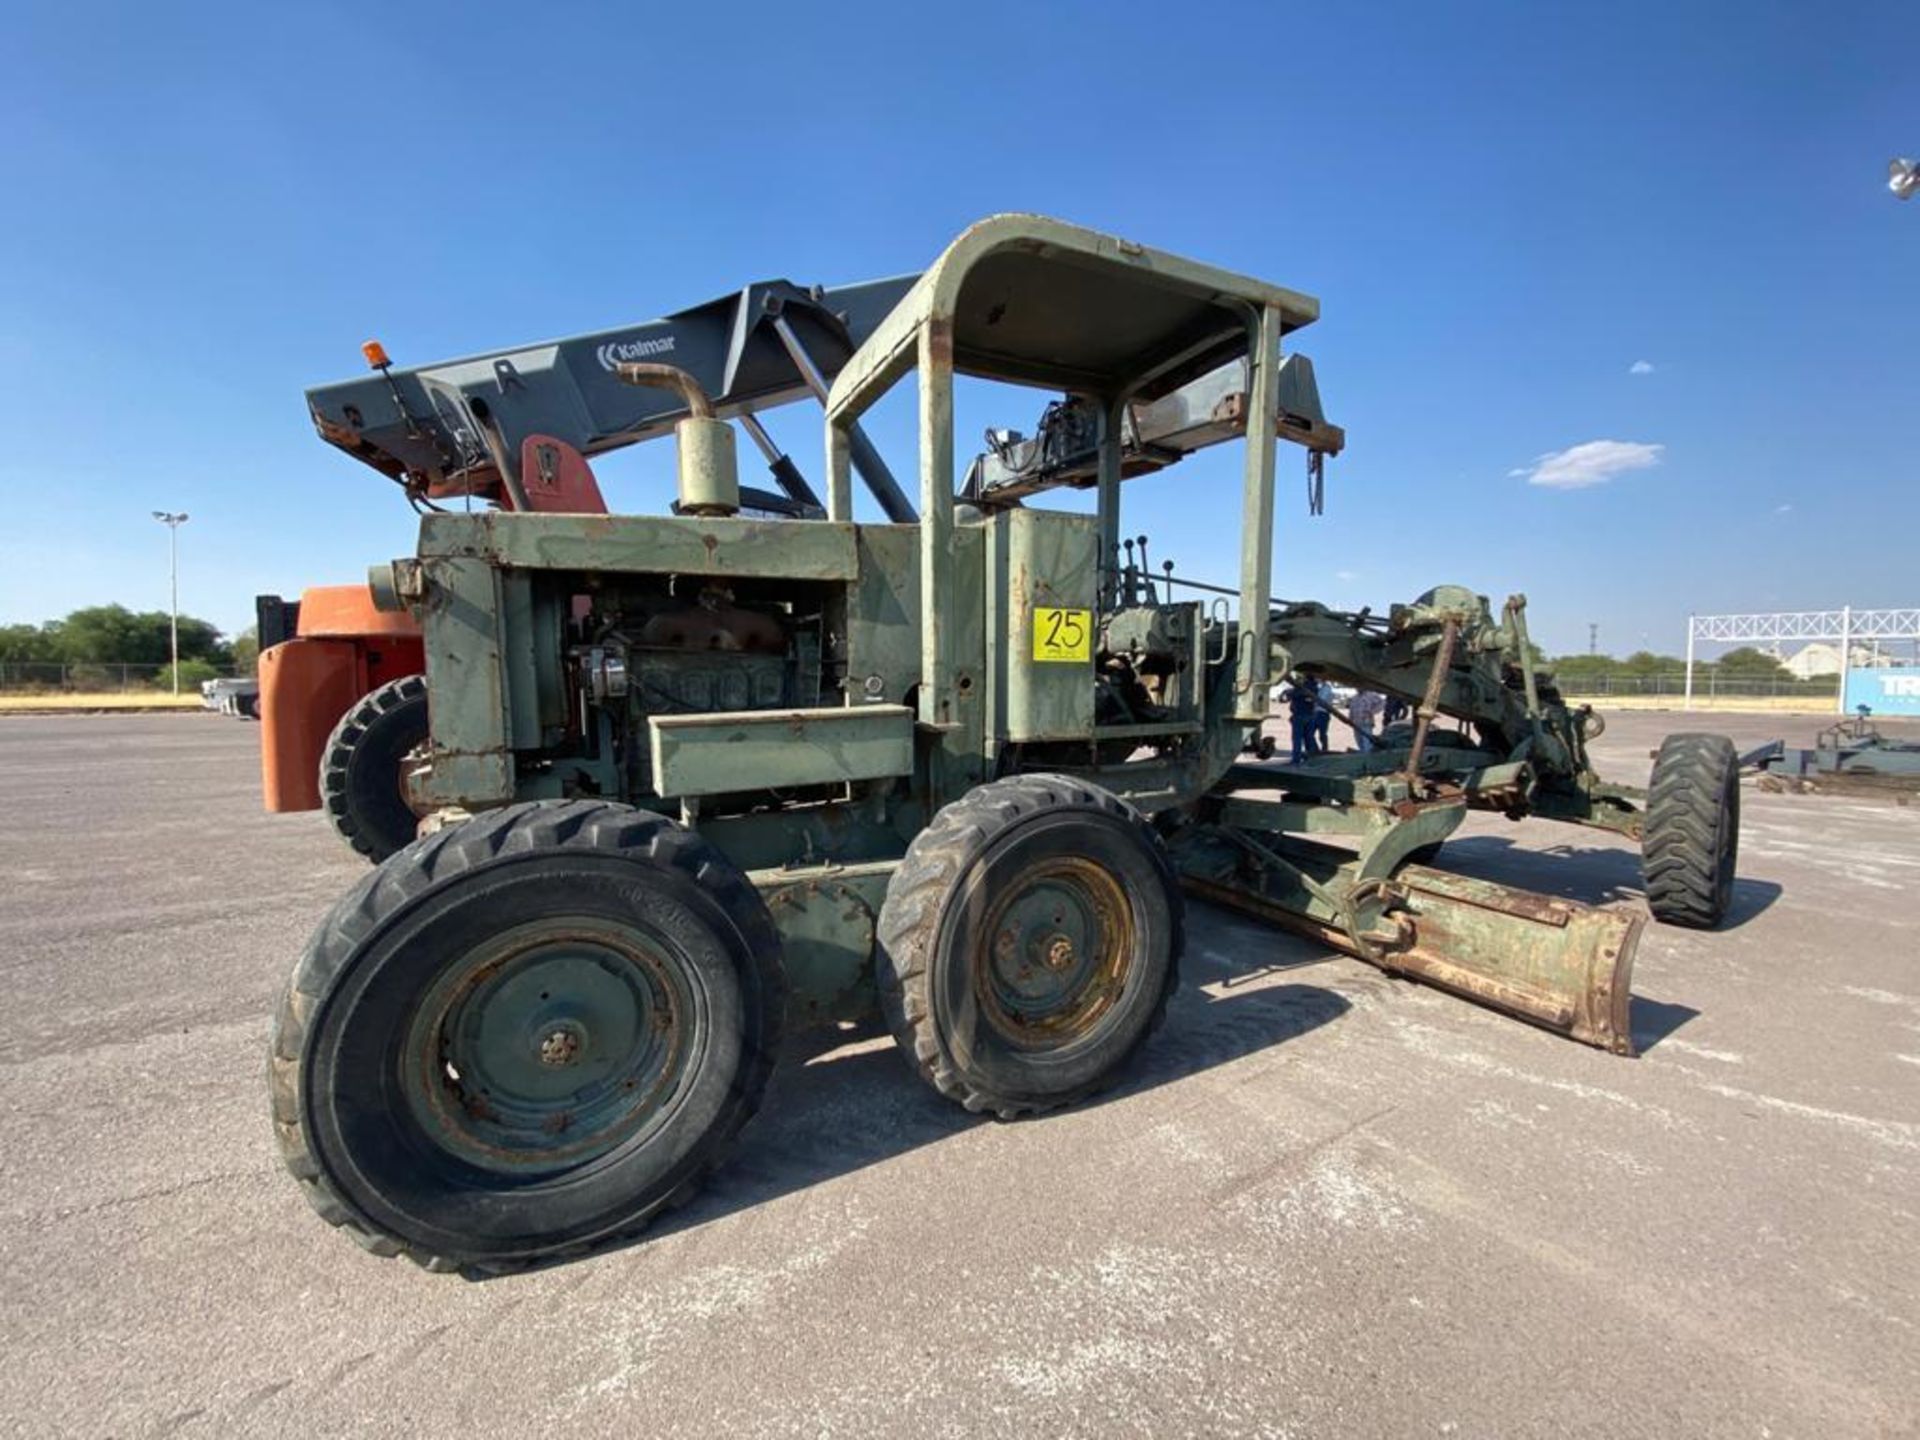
[(1060, 946), (409, 762), (550, 1046)]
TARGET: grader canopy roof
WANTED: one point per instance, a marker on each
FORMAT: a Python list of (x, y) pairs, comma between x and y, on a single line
[(1036, 301), (1030, 300)]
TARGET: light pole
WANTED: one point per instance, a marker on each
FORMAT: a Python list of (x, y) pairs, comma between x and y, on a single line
[(173, 523)]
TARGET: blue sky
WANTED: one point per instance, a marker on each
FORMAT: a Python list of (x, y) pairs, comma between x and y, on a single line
[(1506, 210)]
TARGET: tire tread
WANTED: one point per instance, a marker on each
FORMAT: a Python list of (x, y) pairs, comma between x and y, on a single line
[(1688, 826), (336, 798), (390, 887), (909, 921)]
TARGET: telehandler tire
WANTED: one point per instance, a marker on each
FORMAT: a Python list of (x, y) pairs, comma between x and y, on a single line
[(522, 1037), (1029, 943), (1692, 837), (360, 768)]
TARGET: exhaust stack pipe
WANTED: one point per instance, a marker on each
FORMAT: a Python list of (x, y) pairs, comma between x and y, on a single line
[(709, 470)]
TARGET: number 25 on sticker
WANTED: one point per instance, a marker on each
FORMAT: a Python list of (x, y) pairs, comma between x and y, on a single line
[(1062, 634)]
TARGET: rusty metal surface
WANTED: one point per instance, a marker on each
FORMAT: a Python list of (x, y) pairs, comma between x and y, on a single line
[(826, 923), (670, 377), (1062, 944), (1555, 962), (1430, 700)]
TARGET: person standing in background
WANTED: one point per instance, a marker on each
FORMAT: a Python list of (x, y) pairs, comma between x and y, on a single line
[(1365, 710), (1323, 714), (1300, 715)]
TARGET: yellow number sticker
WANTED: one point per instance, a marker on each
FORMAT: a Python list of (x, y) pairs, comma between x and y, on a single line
[(1062, 634)]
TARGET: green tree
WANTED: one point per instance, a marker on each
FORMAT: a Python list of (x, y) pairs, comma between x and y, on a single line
[(1645, 662), (113, 634), (245, 650), (1568, 668), (25, 643), (1747, 663), (192, 672)]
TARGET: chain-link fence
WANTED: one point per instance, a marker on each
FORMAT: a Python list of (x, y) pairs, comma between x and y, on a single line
[(36, 677), (1706, 683)]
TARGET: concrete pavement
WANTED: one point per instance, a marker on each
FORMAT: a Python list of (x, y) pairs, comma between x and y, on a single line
[(1332, 1204)]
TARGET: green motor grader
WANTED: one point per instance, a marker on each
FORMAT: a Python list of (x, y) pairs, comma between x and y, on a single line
[(699, 778)]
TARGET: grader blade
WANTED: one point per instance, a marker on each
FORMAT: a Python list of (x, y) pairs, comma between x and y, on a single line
[(1562, 965)]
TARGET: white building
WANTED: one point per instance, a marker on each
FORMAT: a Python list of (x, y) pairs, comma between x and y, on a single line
[(1821, 658)]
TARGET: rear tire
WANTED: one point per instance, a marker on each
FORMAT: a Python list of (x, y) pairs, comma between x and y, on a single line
[(1692, 838), (1029, 943), (361, 768), (524, 1036)]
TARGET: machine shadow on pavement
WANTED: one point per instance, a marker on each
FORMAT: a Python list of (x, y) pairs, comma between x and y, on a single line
[(1599, 874), (1654, 1020), (842, 1100)]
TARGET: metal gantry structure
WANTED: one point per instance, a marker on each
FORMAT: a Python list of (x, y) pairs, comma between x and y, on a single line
[(1844, 626)]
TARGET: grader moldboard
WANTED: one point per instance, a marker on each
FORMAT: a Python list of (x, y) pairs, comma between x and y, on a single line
[(705, 776)]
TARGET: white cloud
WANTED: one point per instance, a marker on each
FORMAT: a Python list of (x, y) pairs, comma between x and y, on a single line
[(1640, 367), (1346, 574), (1783, 509), (1592, 463)]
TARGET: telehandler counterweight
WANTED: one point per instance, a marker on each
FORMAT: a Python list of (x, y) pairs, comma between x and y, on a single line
[(693, 778)]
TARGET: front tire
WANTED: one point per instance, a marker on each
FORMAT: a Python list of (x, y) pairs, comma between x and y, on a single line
[(1029, 943), (1692, 838), (524, 1036)]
